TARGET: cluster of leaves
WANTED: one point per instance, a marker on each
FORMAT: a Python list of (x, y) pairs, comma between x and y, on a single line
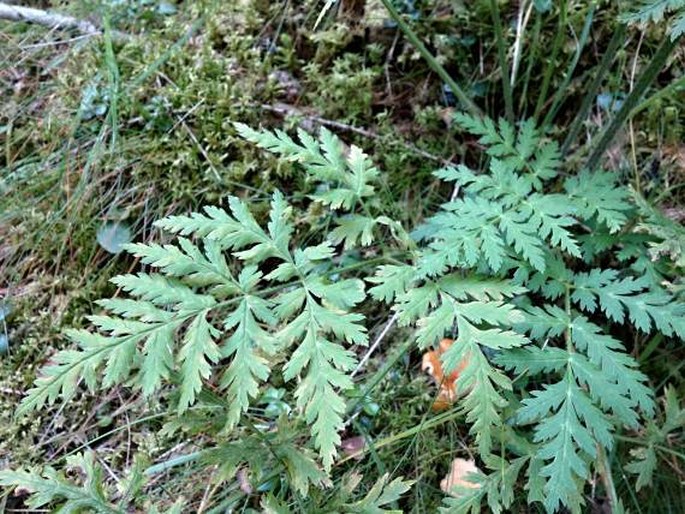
[(644, 461), (508, 269), (203, 318), (531, 285), (654, 11), (668, 236), (196, 290), (84, 489)]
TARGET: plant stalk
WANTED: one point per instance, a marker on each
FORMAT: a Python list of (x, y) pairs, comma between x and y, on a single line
[(562, 89), (607, 478), (431, 60), (646, 78), (549, 70), (591, 93), (501, 54), (676, 85)]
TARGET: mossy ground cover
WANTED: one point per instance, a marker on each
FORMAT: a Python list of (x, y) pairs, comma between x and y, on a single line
[(104, 131)]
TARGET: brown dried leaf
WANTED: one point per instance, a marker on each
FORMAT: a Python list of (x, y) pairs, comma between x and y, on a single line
[(432, 365)]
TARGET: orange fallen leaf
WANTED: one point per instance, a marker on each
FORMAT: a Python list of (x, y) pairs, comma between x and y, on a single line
[(432, 365), (457, 476)]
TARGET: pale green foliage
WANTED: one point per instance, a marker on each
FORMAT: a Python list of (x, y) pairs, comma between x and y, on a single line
[(669, 236), (345, 178), (678, 25), (503, 216), (646, 307), (377, 500), (654, 11), (529, 283), (265, 454), (658, 433), (346, 175), (495, 488), (51, 487), (478, 310), (381, 494), (489, 251), (198, 310)]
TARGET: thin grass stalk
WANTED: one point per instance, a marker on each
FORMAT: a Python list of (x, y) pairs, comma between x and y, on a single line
[(591, 92), (501, 54), (521, 24), (549, 70), (532, 54), (676, 85), (113, 79), (432, 62), (607, 478), (561, 90), (646, 78)]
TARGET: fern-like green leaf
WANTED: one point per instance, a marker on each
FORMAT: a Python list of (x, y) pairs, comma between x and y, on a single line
[(598, 195), (198, 353), (51, 487), (534, 360), (615, 296), (497, 488), (677, 28), (347, 179), (569, 423), (643, 465), (246, 348), (381, 494), (354, 228), (480, 378), (543, 322), (652, 10), (670, 236), (608, 354)]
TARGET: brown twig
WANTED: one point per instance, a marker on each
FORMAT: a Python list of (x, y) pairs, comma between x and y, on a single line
[(290, 110), (52, 20)]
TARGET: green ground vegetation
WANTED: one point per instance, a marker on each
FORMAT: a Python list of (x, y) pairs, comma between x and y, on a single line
[(102, 136)]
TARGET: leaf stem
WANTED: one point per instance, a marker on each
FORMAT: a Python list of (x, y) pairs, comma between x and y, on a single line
[(591, 92), (431, 60), (646, 78), (501, 54), (549, 70), (567, 307), (607, 477)]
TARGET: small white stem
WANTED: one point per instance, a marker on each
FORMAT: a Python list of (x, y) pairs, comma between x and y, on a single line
[(52, 20), (375, 344)]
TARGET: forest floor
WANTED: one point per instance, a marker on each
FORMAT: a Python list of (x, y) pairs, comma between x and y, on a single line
[(100, 136)]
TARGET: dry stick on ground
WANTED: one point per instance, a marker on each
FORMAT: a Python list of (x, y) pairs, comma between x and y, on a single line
[(290, 110), (375, 344), (52, 20)]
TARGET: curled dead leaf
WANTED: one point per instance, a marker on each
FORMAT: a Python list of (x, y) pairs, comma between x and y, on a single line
[(432, 365), (457, 476)]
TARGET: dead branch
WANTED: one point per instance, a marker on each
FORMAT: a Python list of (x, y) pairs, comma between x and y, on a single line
[(291, 110), (51, 20)]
